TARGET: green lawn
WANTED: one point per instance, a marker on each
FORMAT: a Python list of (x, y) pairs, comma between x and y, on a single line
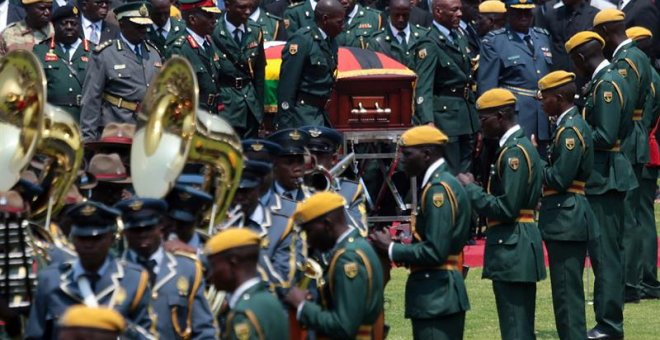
[(641, 322)]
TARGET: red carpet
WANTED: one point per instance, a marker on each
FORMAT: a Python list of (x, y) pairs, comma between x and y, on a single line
[(474, 255)]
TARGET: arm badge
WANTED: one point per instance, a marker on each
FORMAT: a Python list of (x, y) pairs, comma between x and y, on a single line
[(351, 270), (514, 163), (242, 331), (570, 143), (438, 199), (422, 53), (607, 95), (293, 49)]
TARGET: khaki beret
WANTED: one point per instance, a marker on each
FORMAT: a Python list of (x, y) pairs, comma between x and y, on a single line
[(492, 6), (555, 79), (581, 38), (638, 33), (102, 318), (608, 15), (318, 205), (423, 135), (231, 238), (495, 98)]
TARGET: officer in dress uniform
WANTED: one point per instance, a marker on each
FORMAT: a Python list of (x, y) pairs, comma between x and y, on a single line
[(634, 66), (359, 24), (94, 24), (354, 274), (610, 116), (197, 47), (566, 220), (299, 15), (95, 278), (30, 31), (514, 251), (242, 68), (323, 145), (398, 38), (515, 58), (64, 59), (289, 166), (119, 73), (440, 227), (444, 94), (98, 323), (176, 279), (272, 26), (308, 71), (254, 313), (166, 29), (186, 210), (280, 248)]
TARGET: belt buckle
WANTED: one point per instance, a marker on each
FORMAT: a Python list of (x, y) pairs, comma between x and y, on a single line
[(209, 100), (79, 99), (466, 92), (238, 83)]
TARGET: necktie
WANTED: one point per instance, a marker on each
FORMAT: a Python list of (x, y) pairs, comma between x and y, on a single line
[(289, 195), (454, 37), (138, 52), (67, 52), (206, 45), (149, 265), (162, 33), (528, 42), (402, 40), (237, 36), (94, 37), (93, 278)]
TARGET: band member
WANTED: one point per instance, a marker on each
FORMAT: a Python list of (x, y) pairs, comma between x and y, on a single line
[(289, 166), (81, 322)]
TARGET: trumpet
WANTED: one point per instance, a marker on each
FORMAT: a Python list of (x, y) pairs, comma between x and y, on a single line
[(311, 270), (322, 179)]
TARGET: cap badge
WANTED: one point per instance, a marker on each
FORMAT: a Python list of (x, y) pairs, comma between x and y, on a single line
[(88, 210), (295, 135), (184, 196), (75, 10), (257, 147), (143, 10), (315, 132), (137, 205)]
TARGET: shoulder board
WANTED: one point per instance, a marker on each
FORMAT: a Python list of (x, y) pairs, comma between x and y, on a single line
[(179, 41), (497, 31), (151, 45), (273, 16), (186, 255), (541, 30), (421, 28), (102, 46), (297, 4)]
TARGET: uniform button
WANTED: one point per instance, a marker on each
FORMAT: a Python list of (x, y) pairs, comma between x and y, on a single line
[(70, 75), (537, 71), (499, 241), (347, 32), (245, 96), (70, 89), (426, 275), (558, 205)]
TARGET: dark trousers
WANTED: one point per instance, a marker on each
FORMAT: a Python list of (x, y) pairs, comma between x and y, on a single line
[(458, 153), (606, 253), (646, 219), (251, 129), (632, 241), (516, 305), (566, 260), (446, 327)]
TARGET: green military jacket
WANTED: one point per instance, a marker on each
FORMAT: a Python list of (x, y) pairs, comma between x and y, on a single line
[(352, 296), (443, 93), (206, 64), (514, 251), (309, 65), (386, 42), (19, 35), (440, 228), (651, 115), (605, 109), (244, 62), (65, 78), (297, 16), (177, 30), (257, 315), (272, 26), (634, 66), (565, 212), (364, 24)]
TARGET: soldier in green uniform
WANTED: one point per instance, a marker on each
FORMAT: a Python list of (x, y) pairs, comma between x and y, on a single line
[(272, 26), (299, 15), (360, 23), (64, 58), (352, 294), (254, 313), (648, 184), (98, 323), (399, 39), (634, 66), (514, 251), (166, 29), (566, 220), (436, 297), (611, 122), (197, 47), (308, 71), (444, 91), (30, 31), (242, 68)]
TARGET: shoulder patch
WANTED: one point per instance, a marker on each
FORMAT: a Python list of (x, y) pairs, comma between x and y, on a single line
[(514, 163), (296, 4), (422, 53), (351, 270), (541, 30), (438, 199), (623, 72), (293, 49), (570, 143), (607, 96), (242, 331), (102, 46), (497, 31)]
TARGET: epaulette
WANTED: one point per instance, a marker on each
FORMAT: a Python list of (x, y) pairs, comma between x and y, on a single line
[(422, 28), (187, 255), (296, 4), (541, 30), (148, 44), (179, 41), (497, 31), (102, 46), (273, 16)]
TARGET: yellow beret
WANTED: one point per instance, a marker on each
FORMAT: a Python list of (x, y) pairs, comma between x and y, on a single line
[(318, 205), (492, 6), (555, 79), (638, 32), (608, 15), (231, 238), (495, 98), (30, 2), (581, 38), (93, 317), (423, 135)]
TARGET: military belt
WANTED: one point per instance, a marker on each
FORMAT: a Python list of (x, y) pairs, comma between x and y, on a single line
[(522, 91), (453, 263), (211, 99), (524, 216), (77, 101), (637, 114), (460, 92), (576, 187), (237, 83), (615, 148), (121, 103), (310, 99)]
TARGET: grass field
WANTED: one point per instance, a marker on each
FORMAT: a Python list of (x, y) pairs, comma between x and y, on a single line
[(641, 322)]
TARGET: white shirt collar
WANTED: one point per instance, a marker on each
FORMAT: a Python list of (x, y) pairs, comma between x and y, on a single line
[(87, 23), (623, 43), (561, 116), (432, 168), (74, 47), (236, 295), (198, 38), (78, 269), (255, 15), (231, 27), (523, 35), (444, 30), (353, 13), (508, 134), (313, 3), (462, 24), (323, 34), (166, 27), (603, 64), (131, 46), (157, 256), (395, 31)]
